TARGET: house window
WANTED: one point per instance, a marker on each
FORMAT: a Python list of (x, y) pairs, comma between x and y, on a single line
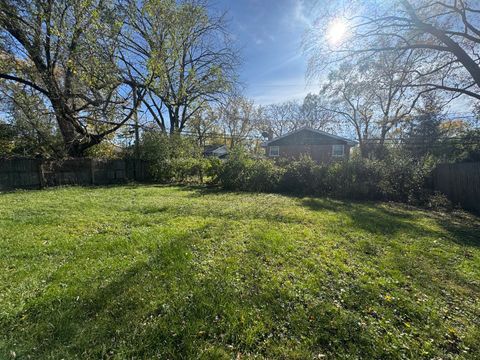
[(274, 151), (338, 150)]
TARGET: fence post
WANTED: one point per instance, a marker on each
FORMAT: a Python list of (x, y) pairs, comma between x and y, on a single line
[(92, 171), (41, 175)]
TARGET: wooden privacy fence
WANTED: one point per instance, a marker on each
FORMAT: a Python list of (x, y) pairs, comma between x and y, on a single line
[(460, 183), (37, 173)]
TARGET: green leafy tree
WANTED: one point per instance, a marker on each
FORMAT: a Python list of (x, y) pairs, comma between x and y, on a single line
[(240, 118), (204, 126), (424, 130), (183, 57), (65, 51), (32, 126), (351, 100), (7, 138)]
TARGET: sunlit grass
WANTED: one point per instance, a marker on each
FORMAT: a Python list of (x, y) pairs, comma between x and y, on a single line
[(167, 272)]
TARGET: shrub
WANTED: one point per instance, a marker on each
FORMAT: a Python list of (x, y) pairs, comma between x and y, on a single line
[(232, 174), (439, 202), (188, 169), (212, 169), (263, 176), (396, 176), (172, 158), (240, 172), (354, 179), (300, 176), (405, 178)]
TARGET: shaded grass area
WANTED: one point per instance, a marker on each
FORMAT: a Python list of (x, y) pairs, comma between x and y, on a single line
[(169, 272)]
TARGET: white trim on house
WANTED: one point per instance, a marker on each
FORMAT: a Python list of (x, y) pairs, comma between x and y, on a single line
[(274, 153), (348, 141), (341, 146)]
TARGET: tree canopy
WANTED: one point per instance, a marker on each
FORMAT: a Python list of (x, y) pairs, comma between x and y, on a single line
[(96, 62)]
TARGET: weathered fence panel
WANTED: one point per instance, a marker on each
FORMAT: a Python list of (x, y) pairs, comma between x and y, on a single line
[(460, 183), (21, 173), (36, 173), (66, 172)]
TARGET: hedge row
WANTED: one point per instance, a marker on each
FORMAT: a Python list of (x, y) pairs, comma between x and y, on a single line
[(397, 177)]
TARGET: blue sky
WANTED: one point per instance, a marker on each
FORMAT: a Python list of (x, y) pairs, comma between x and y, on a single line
[(269, 34)]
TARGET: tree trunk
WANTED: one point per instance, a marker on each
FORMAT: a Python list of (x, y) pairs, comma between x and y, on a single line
[(75, 143), (363, 149)]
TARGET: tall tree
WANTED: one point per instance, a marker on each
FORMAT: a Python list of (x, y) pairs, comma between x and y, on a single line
[(65, 50), (292, 115), (388, 76), (32, 124), (239, 118), (204, 126), (187, 52), (281, 118), (424, 131), (351, 101), (313, 114)]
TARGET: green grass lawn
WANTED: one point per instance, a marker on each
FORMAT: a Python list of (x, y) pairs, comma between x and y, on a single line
[(169, 272)]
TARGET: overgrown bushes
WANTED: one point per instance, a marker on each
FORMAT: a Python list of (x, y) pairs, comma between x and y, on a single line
[(240, 172), (397, 177), (173, 158)]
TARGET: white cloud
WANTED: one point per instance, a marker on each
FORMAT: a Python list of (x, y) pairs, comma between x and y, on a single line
[(300, 13), (258, 40)]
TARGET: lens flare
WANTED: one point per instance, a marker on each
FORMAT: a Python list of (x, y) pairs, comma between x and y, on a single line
[(337, 31)]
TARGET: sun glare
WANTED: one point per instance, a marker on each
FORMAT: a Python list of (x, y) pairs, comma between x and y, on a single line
[(337, 31)]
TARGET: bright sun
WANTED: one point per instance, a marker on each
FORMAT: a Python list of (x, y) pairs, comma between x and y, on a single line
[(337, 31)]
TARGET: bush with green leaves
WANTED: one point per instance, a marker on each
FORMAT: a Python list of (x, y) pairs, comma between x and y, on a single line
[(439, 202), (405, 178), (263, 176), (173, 158), (241, 172), (301, 176), (354, 179), (232, 173), (397, 177)]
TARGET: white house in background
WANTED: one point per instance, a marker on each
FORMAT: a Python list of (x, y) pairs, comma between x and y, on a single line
[(218, 151)]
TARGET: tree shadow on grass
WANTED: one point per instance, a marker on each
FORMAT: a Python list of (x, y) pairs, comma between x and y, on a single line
[(384, 219), (165, 307), (97, 320), (417, 243), (369, 216), (463, 228), (168, 307), (187, 312), (373, 217)]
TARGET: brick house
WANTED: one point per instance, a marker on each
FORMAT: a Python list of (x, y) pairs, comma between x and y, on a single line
[(319, 145)]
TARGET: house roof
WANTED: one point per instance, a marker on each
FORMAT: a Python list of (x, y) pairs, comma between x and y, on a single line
[(320, 132), (215, 149)]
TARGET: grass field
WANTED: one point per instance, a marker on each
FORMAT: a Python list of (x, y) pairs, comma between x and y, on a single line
[(169, 272)]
